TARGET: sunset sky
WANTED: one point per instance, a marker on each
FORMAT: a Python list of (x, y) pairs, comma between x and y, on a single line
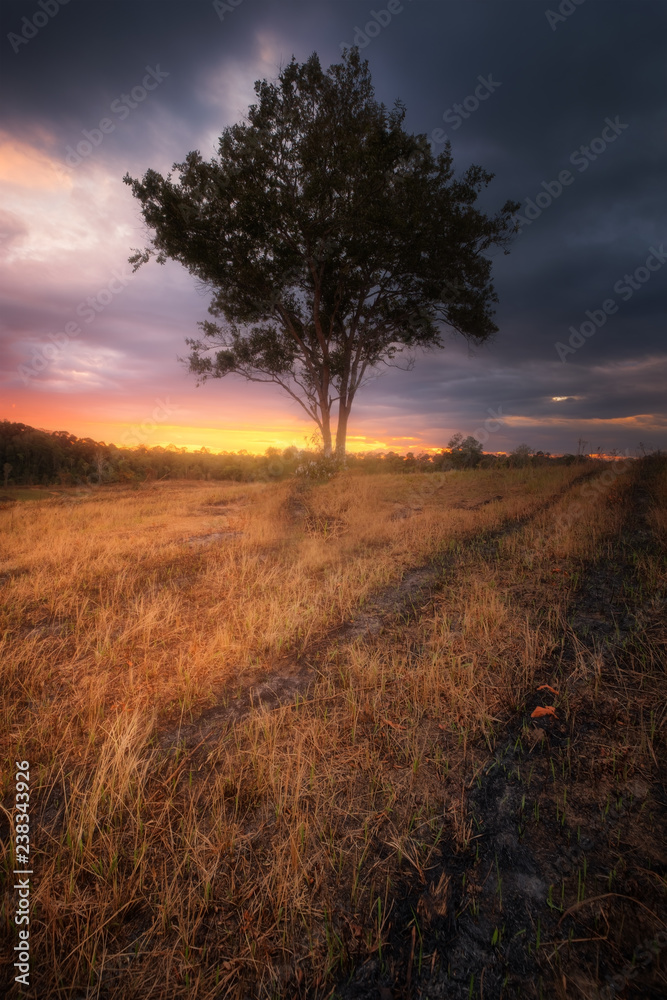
[(569, 115)]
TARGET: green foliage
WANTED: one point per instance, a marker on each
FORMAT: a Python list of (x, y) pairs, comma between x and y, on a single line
[(46, 458), (32, 457), (331, 238)]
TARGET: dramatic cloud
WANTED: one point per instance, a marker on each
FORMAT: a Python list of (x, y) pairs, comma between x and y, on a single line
[(565, 109)]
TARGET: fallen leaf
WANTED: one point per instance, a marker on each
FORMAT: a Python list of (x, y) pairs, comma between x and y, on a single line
[(538, 712), (394, 725), (547, 687)]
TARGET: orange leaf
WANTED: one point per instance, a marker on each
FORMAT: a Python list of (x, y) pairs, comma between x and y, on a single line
[(547, 687), (540, 711), (393, 725)]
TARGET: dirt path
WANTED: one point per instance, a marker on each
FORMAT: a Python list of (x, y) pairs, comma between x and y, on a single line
[(562, 892), (292, 676)]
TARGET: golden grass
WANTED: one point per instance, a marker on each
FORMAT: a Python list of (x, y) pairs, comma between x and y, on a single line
[(109, 607), (269, 857)]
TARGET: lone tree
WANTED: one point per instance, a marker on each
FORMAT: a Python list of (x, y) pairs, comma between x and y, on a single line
[(331, 240)]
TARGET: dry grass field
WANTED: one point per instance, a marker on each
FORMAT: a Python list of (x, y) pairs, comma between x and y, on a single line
[(282, 738)]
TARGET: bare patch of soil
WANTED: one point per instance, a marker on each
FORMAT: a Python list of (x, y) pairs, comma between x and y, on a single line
[(402, 513), (470, 505), (213, 536)]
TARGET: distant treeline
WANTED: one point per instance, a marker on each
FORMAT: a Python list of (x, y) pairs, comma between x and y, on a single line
[(32, 457)]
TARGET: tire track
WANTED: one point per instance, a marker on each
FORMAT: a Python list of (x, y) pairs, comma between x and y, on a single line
[(404, 601), (496, 905)]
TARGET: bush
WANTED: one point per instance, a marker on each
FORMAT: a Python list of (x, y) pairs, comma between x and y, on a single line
[(521, 456), (319, 468)]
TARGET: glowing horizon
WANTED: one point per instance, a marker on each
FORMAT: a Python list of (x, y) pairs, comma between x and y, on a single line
[(253, 440), (256, 440)]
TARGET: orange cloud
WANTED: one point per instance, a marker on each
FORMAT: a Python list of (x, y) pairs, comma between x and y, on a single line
[(643, 421), (25, 166)]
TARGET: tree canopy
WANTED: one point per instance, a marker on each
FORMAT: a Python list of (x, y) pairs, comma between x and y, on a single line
[(330, 238)]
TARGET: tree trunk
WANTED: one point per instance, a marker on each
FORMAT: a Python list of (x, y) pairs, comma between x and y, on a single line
[(341, 431), (326, 433)]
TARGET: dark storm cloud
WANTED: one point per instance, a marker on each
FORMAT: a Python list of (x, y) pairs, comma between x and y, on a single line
[(584, 94)]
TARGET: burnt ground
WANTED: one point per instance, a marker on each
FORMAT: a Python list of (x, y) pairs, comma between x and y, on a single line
[(290, 676), (563, 890)]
